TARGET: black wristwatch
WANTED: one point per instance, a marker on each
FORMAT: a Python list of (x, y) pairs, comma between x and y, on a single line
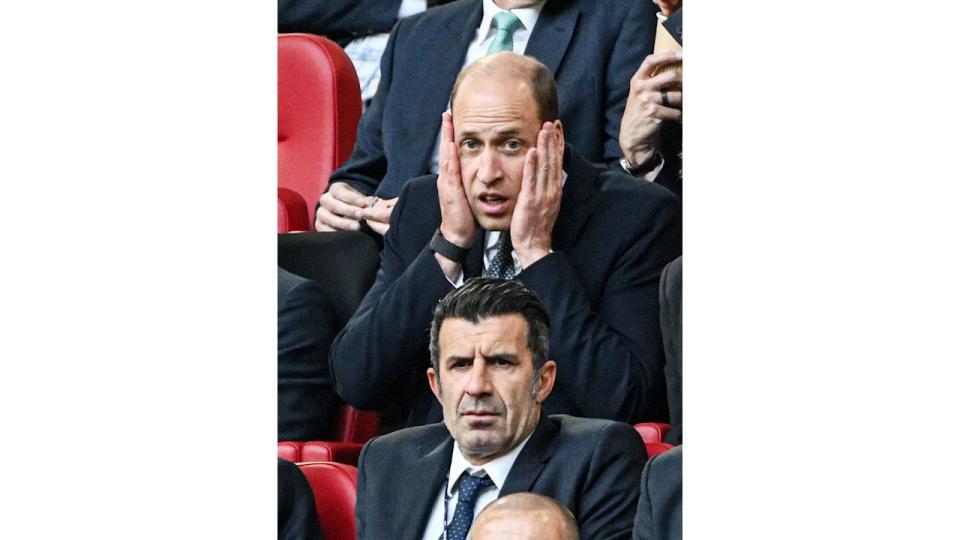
[(439, 244), (639, 170)]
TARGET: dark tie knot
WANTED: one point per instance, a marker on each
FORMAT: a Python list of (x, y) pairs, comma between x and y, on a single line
[(470, 486)]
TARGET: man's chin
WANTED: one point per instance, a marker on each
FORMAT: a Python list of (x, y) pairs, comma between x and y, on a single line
[(493, 223)]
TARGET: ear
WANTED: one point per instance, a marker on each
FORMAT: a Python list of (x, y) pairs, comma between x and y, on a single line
[(559, 127), (434, 381), (548, 376)]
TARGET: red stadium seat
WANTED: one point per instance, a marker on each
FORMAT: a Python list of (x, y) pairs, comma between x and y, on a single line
[(318, 108), (652, 431), (334, 487), (654, 448), (347, 453)]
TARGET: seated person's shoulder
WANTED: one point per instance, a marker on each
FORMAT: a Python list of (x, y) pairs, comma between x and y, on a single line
[(601, 431), (406, 443)]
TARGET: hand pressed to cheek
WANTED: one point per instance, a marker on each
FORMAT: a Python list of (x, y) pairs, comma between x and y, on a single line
[(540, 195)]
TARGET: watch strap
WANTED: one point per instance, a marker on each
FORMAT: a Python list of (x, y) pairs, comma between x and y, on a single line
[(439, 244)]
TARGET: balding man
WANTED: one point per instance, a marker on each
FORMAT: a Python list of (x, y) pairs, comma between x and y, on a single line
[(525, 516), (513, 201)]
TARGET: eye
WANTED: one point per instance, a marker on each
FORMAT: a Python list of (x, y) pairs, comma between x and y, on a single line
[(512, 145), (469, 144), (502, 362), (460, 363)]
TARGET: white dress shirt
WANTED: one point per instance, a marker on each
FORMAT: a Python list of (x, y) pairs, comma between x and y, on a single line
[(497, 470), (481, 42)]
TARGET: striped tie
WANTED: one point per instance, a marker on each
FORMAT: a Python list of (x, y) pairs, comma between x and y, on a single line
[(507, 24)]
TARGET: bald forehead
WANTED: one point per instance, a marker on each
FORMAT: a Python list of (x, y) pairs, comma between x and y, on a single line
[(519, 525)]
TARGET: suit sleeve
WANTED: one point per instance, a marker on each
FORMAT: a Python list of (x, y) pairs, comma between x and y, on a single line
[(610, 356), (643, 521), (381, 351), (634, 43), (305, 329), (337, 18), (613, 484), (368, 163)]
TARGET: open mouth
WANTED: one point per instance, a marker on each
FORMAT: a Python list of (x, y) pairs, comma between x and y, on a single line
[(493, 203)]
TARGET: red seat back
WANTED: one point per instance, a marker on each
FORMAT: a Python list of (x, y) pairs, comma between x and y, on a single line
[(654, 448), (318, 108), (652, 431), (334, 487)]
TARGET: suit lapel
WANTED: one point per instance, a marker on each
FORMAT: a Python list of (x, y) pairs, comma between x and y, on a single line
[(422, 482), (579, 199), (551, 35), (533, 458), (457, 30)]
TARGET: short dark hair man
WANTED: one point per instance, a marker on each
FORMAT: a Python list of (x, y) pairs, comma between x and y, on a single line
[(491, 374), (512, 201)]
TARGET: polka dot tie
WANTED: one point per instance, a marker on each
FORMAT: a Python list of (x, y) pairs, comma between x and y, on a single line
[(507, 24), (469, 489), (502, 264)]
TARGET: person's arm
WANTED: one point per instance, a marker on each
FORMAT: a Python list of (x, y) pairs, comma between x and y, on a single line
[(381, 351), (368, 164), (610, 357), (612, 486), (634, 42), (337, 18)]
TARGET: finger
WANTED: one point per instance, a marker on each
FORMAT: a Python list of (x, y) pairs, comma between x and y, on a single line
[(670, 80), (653, 61), (349, 195), (336, 222), (529, 178), (444, 134), (340, 208), (380, 213), (674, 98), (379, 228), (454, 161), (658, 113)]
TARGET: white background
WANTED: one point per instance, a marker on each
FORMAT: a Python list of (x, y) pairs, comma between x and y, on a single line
[(137, 171)]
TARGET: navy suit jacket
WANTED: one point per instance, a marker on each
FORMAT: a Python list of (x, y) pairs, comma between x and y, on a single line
[(660, 509), (340, 20), (306, 402), (592, 48), (592, 467), (613, 236)]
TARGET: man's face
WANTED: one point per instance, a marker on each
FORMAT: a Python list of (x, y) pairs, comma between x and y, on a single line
[(486, 384), (495, 122)]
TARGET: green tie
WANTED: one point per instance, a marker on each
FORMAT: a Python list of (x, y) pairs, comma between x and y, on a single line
[(507, 24)]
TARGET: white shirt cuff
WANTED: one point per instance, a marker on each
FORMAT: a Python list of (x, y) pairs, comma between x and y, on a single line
[(457, 283), (411, 7)]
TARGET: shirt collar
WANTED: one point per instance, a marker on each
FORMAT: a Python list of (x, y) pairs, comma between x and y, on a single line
[(496, 469), (528, 16)]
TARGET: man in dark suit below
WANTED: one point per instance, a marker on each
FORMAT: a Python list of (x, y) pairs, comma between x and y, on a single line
[(296, 507), (525, 516), (491, 373), (512, 201), (306, 401), (660, 510), (671, 323), (593, 47)]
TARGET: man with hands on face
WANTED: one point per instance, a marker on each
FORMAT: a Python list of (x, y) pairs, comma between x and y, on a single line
[(592, 47), (591, 244), (490, 371)]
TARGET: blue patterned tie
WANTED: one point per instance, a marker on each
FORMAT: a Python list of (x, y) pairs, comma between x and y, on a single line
[(507, 24), (469, 489), (501, 266)]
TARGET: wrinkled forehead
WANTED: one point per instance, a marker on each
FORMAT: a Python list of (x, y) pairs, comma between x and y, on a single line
[(494, 99)]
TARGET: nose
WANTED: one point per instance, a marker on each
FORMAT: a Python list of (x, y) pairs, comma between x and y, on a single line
[(478, 383), (489, 170)]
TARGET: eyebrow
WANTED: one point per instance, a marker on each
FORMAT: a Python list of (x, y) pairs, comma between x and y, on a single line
[(510, 357), (500, 132)]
